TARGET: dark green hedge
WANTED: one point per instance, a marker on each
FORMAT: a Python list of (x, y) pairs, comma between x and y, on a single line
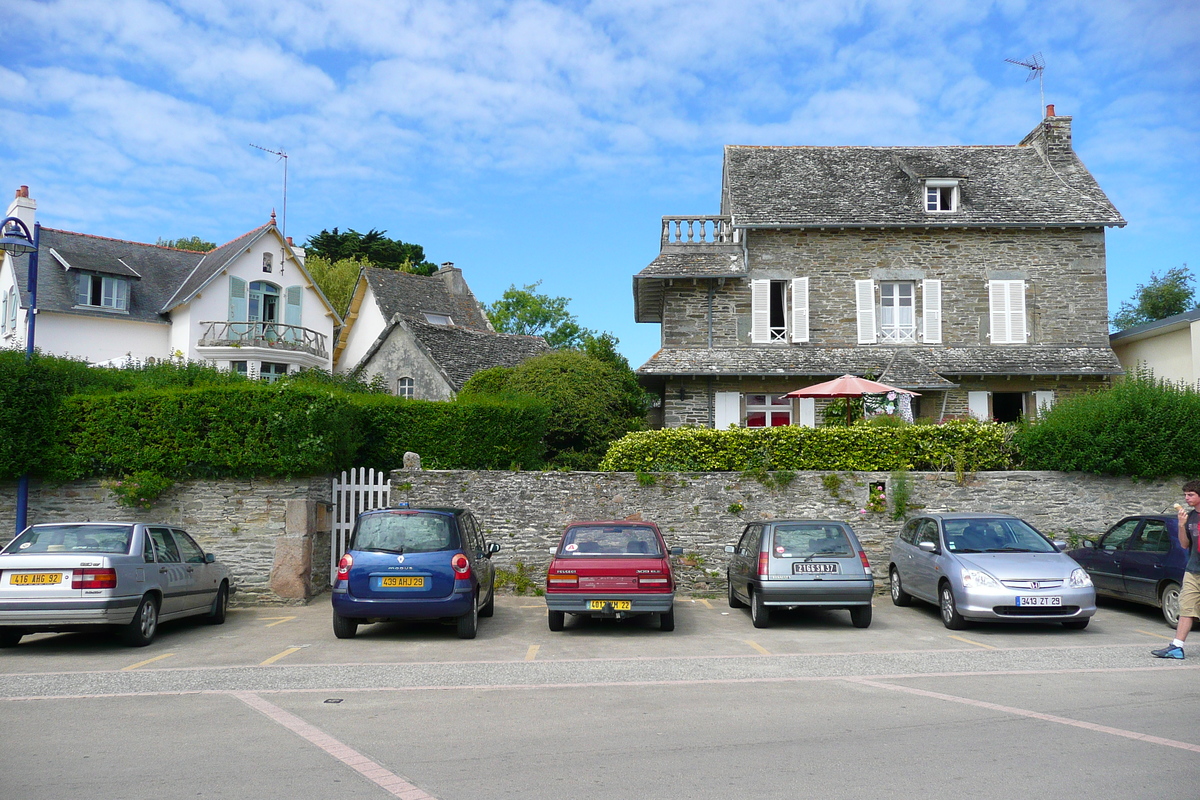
[(966, 445), (30, 394)]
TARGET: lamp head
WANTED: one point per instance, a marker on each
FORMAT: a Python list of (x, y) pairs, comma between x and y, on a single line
[(14, 238)]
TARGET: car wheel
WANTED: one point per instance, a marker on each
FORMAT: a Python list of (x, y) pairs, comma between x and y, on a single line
[(220, 606), (734, 602), (950, 616), (489, 608), (9, 637), (557, 620), (666, 620), (899, 596), (1077, 624), (140, 631), (1169, 598), (861, 616), (468, 623), (760, 615), (344, 627)]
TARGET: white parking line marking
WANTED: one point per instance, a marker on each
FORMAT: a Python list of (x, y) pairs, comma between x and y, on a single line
[(147, 661), (1155, 635), (390, 782), (758, 647), (977, 644), (280, 622), (532, 653), (1021, 712), (278, 656)]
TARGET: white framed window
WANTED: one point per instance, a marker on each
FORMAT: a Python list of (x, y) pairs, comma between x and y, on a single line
[(768, 320), (270, 371), (102, 291), (438, 319), (240, 367), (1043, 401), (768, 411), (406, 387), (897, 312), (1007, 303), (941, 195)]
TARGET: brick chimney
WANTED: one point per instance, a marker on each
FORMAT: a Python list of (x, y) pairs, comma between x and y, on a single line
[(1052, 135), (23, 207)]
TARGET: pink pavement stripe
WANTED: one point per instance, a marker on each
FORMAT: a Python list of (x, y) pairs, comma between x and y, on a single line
[(1021, 712), (390, 782)]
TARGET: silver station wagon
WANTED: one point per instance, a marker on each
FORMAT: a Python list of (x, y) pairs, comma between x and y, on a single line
[(992, 567), (128, 576)]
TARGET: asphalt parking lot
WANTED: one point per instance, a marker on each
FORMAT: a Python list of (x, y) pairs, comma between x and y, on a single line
[(271, 702)]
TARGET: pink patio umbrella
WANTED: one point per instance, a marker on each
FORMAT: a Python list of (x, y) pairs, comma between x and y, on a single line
[(847, 386)]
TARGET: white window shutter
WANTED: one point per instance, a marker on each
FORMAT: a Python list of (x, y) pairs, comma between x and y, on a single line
[(864, 298), (760, 311), (1016, 312), (977, 405), (808, 412), (238, 308), (1007, 301), (727, 410), (1042, 402), (931, 311), (294, 305), (799, 309)]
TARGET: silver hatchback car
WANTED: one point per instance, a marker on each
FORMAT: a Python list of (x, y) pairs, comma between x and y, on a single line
[(128, 576), (988, 567)]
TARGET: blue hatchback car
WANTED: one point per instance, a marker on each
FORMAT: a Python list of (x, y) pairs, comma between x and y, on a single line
[(414, 563), (1138, 559)]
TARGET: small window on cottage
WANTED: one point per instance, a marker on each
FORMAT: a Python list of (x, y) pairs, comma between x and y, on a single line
[(438, 319), (267, 262), (240, 367), (764, 410), (271, 372), (941, 195), (405, 387), (102, 291)]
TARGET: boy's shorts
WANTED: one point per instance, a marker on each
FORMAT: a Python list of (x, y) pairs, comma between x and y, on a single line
[(1189, 595)]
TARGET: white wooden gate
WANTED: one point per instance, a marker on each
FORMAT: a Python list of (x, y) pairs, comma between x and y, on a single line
[(363, 490)]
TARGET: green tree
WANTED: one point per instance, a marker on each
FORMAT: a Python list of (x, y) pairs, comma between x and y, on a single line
[(188, 243), (1162, 297), (336, 279), (634, 399), (528, 312), (372, 246)]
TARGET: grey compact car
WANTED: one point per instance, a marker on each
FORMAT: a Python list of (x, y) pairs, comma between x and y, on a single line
[(992, 567), (128, 576), (800, 562)]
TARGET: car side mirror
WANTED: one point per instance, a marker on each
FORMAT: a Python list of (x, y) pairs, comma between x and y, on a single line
[(1088, 544), (494, 547), (209, 558), (552, 550), (928, 547), (676, 551), (1060, 544), (730, 548)]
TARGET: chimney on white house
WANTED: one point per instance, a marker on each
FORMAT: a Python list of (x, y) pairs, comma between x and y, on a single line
[(24, 208)]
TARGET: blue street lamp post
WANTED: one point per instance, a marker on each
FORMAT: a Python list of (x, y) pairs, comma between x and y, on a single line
[(16, 239)]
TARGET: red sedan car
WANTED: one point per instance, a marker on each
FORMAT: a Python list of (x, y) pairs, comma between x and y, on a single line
[(613, 570)]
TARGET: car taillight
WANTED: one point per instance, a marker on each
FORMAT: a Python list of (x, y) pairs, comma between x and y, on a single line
[(562, 579), (462, 567), (764, 564), (343, 573), (653, 582), (863, 557), (94, 579)]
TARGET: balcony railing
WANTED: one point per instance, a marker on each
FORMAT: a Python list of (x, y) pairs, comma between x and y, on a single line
[(263, 334), (698, 231)]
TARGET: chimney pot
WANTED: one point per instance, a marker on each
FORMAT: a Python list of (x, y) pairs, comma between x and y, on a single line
[(23, 191), (447, 265), (1050, 109), (290, 242)]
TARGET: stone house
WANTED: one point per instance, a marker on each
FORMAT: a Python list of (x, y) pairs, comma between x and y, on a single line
[(248, 305), (425, 336), (974, 275), (1169, 347)]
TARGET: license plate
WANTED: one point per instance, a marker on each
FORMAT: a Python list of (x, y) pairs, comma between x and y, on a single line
[(403, 582), (35, 578), (1039, 601), (617, 605), (808, 567)]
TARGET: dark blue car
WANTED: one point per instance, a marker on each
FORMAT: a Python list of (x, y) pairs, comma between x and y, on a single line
[(414, 563), (1138, 559)]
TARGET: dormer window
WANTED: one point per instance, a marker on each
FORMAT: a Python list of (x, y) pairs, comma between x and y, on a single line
[(438, 319), (941, 195), (102, 291)]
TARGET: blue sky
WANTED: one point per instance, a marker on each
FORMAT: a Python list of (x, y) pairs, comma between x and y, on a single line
[(539, 141)]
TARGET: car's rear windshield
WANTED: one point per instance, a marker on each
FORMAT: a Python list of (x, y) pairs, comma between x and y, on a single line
[(591, 541), (404, 532), (807, 539), (994, 536), (114, 539)]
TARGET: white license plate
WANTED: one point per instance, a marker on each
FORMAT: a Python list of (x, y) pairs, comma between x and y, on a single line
[(809, 567), (1039, 601)]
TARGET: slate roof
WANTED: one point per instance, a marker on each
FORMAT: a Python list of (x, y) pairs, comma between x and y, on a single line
[(909, 368), (1001, 185), (708, 263), (211, 265), (461, 352), (413, 295)]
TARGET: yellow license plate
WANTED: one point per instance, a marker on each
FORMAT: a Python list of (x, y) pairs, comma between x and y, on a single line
[(617, 605), (35, 578), (403, 582)]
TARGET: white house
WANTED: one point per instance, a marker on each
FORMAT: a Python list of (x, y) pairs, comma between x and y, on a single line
[(1169, 347), (249, 305)]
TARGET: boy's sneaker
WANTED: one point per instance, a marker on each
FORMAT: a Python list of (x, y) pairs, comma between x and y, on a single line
[(1170, 651)]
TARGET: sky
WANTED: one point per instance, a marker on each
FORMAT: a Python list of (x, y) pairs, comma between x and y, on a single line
[(542, 142)]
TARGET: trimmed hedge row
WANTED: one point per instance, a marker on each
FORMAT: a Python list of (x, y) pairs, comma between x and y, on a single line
[(954, 445)]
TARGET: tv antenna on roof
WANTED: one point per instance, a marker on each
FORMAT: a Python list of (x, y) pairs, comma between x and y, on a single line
[(1036, 66), (283, 157)]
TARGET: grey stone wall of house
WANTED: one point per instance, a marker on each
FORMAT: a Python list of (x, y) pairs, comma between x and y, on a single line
[(401, 357), (273, 534), (702, 512)]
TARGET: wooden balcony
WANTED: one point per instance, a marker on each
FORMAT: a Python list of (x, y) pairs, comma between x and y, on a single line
[(273, 336)]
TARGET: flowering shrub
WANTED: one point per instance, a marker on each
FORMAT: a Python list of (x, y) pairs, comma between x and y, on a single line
[(877, 500), (140, 489)]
